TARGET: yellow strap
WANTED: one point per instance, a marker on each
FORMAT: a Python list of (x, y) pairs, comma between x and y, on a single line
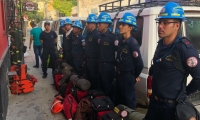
[(14, 62)]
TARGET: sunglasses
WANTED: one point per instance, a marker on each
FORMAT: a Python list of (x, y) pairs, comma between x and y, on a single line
[(165, 22)]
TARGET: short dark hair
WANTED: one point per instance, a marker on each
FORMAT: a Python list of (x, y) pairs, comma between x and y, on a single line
[(47, 23), (178, 20), (32, 23)]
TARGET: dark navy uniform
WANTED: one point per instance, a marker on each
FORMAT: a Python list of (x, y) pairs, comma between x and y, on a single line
[(129, 67), (67, 48), (92, 55), (106, 65), (168, 78), (77, 53), (48, 49)]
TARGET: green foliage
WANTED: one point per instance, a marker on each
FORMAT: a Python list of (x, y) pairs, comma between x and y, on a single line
[(35, 16), (64, 6), (74, 2)]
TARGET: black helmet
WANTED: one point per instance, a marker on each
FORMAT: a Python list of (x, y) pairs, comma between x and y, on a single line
[(47, 23)]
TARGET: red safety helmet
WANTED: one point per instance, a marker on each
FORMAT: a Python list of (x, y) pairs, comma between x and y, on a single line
[(57, 105)]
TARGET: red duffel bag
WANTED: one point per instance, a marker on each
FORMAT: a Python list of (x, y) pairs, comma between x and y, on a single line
[(79, 94), (70, 106)]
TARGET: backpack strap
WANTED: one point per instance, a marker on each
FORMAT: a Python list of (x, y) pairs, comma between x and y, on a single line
[(70, 102), (62, 90), (178, 64), (183, 85), (74, 93)]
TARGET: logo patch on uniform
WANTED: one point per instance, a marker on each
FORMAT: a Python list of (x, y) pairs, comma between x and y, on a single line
[(116, 42), (90, 39), (163, 10), (186, 42), (106, 43), (116, 110), (125, 50), (135, 54), (192, 61), (170, 58)]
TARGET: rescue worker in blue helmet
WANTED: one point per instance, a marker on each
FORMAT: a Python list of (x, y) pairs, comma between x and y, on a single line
[(174, 59), (108, 45), (129, 62), (77, 47), (92, 50), (67, 41), (62, 27)]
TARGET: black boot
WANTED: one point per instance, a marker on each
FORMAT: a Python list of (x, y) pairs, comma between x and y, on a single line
[(44, 75)]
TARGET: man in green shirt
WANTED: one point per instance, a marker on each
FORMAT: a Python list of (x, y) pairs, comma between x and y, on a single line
[(37, 46)]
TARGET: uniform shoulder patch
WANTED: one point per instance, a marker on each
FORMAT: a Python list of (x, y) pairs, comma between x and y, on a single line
[(135, 41), (186, 42), (135, 54), (192, 61)]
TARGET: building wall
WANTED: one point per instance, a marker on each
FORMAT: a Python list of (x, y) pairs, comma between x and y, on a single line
[(86, 7), (51, 12), (4, 89), (74, 12), (47, 8)]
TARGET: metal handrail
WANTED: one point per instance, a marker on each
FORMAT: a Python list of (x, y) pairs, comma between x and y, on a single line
[(153, 3)]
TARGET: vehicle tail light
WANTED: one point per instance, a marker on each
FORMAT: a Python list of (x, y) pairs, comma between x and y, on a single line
[(149, 86)]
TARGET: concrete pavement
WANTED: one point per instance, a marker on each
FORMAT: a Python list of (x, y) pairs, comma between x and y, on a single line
[(35, 105)]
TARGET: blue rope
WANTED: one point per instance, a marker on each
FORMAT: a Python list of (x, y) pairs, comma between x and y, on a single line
[(160, 59)]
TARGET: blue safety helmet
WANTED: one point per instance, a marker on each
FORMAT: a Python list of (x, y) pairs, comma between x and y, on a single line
[(104, 18), (91, 18), (129, 18), (77, 24), (172, 10), (62, 23), (68, 21)]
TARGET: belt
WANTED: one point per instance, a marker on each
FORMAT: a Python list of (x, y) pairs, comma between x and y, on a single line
[(124, 72), (91, 59), (163, 100), (104, 63)]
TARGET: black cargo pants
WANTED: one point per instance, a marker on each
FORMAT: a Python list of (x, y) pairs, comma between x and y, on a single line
[(92, 72), (106, 77), (125, 89), (45, 55)]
